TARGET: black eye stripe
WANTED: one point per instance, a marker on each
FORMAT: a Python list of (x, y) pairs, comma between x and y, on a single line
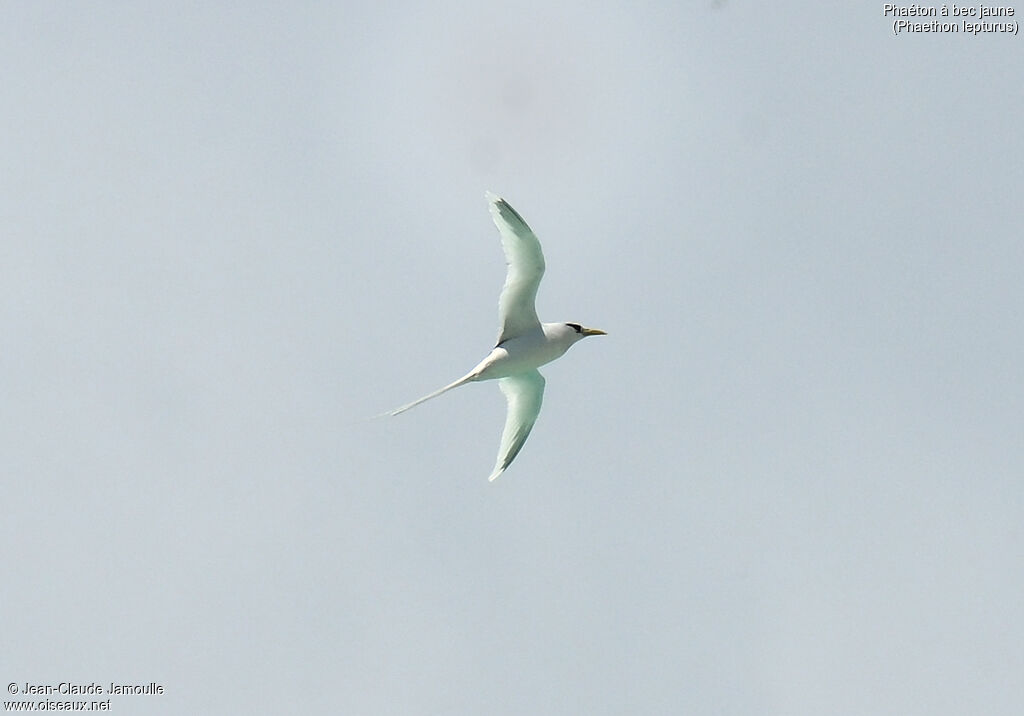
[(576, 327)]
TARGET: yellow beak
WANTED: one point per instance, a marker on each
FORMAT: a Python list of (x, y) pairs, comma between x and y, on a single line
[(593, 332)]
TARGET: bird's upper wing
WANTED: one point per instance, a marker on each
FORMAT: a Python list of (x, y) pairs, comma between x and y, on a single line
[(516, 312), (524, 393)]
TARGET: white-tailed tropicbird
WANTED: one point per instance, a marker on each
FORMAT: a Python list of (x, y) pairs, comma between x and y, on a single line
[(524, 343)]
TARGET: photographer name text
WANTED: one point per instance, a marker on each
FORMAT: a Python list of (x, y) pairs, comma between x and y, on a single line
[(68, 688)]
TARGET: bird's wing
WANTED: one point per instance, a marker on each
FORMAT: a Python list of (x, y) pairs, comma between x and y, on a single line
[(516, 312), (524, 393)]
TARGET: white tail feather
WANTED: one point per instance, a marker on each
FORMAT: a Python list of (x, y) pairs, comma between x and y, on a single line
[(461, 381)]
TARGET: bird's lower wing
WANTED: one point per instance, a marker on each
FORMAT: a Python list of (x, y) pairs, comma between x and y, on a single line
[(524, 393), (517, 314)]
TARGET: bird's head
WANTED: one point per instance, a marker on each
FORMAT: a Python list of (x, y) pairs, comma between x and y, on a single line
[(583, 331)]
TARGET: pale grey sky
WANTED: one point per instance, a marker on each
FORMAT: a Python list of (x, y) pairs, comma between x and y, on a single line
[(787, 483)]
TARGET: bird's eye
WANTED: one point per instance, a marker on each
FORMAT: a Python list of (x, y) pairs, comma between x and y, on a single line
[(576, 327)]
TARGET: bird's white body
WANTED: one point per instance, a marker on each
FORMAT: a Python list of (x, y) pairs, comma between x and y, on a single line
[(524, 343), (527, 352)]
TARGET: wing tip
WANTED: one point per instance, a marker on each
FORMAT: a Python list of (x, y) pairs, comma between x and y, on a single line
[(499, 468), (502, 211)]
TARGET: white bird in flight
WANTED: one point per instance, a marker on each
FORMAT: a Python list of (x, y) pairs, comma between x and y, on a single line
[(524, 343)]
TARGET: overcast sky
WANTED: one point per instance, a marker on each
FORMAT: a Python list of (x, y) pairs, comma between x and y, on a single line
[(788, 482)]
